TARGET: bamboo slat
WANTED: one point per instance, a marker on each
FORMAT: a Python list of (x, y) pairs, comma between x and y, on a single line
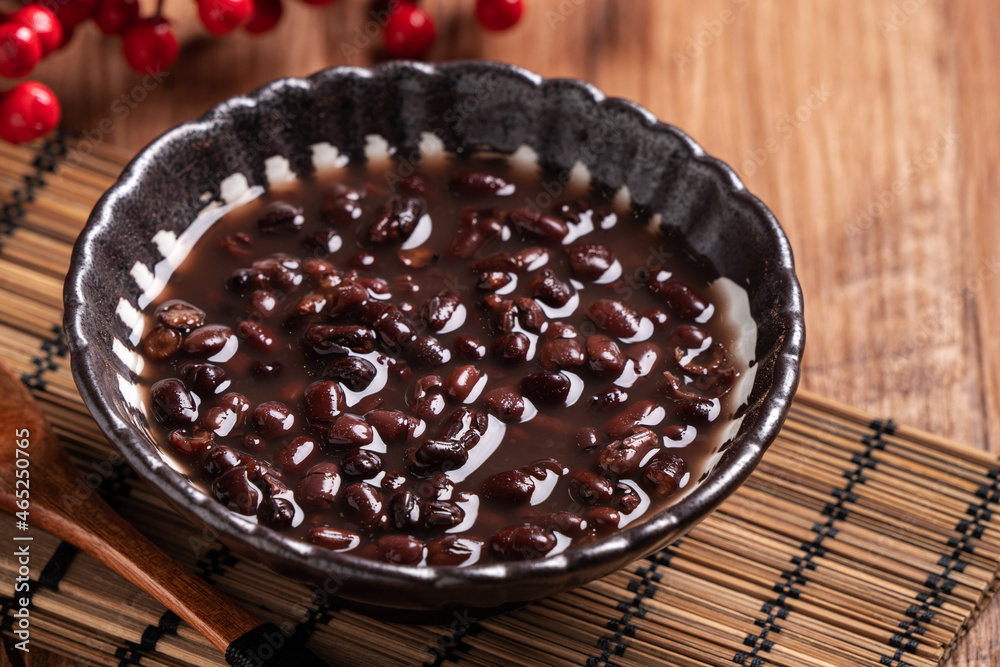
[(855, 542)]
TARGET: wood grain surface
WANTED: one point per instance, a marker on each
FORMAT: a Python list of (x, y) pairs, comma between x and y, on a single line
[(869, 128)]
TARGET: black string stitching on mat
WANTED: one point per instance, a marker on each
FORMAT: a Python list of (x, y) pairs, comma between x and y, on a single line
[(52, 351), (786, 588), (13, 212), (214, 562), (448, 644), (58, 564), (643, 588), (941, 585)]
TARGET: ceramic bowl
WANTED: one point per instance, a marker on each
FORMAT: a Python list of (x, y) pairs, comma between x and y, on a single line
[(467, 106)]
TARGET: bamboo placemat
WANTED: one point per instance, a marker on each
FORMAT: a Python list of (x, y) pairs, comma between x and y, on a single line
[(857, 541)]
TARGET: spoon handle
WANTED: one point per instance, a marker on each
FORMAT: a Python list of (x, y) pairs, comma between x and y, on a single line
[(93, 526)]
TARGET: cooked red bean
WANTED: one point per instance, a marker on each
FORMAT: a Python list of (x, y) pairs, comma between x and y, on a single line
[(622, 423), (615, 317), (589, 261), (560, 353), (395, 221), (323, 401), (697, 411), (392, 425), (591, 488), (273, 419), (438, 487), (479, 183), (361, 463), (608, 399), (546, 388), (334, 539), (207, 340), (587, 438), (320, 486), (622, 457), (469, 347), (162, 343), (682, 298), (259, 335), (521, 543), (606, 358), (297, 454), (234, 490), (338, 339), (541, 226), (604, 519), (548, 288), (437, 456), (365, 503), (454, 550), (439, 309), (238, 245), (659, 317), (349, 430), (491, 281), (504, 403), (440, 515), (511, 348), (180, 315), (280, 217), (221, 459), (461, 382), (567, 523), (511, 487), (193, 442), (663, 472), (404, 510), (173, 404), (427, 352), (354, 373), (400, 549)]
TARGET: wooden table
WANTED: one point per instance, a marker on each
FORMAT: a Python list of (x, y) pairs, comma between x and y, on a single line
[(869, 129)]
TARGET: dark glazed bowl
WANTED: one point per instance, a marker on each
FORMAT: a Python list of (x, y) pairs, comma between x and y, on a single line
[(474, 105)]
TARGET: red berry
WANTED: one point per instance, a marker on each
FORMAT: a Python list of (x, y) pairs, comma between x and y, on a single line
[(498, 14), (266, 14), (20, 50), (72, 13), (150, 46), (114, 16), (409, 32), (27, 111), (220, 17), (45, 24)]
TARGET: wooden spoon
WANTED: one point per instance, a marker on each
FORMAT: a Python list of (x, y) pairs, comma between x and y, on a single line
[(94, 527)]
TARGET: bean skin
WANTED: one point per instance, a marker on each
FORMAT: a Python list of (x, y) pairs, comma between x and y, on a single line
[(560, 353), (234, 490), (469, 347), (620, 425), (296, 456), (622, 457), (280, 217), (511, 348), (461, 382), (603, 519), (354, 373), (191, 444), (205, 379), (551, 290), (437, 455), (361, 463), (439, 515)]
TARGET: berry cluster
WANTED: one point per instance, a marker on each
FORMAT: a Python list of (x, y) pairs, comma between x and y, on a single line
[(410, 30), (30, 109)]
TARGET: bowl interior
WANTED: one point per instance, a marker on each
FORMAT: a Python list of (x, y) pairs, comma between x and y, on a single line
[(130, 243)]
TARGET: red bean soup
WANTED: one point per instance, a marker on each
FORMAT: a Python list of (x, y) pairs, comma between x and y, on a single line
[(467, 360)]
